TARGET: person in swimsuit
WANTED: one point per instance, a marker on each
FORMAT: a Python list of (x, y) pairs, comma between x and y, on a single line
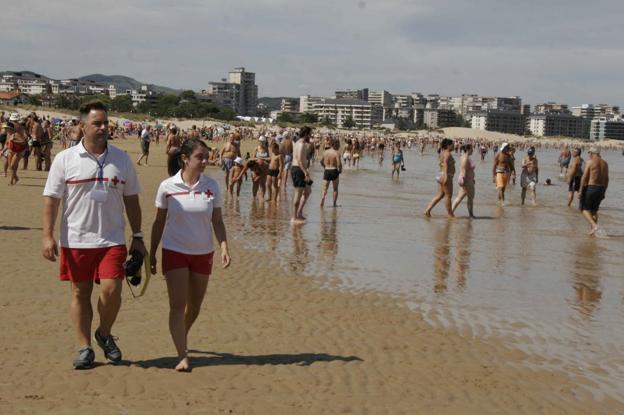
[(445, 179), (564, 160), (332, 165), (276, 165), (230, 151), (356, 153), (466, 180), (501, 170), (397, 160), (44, 159), (174, 142), (594, 183), (530, 175), (347, 154), (300, 174), (237, 176), (286, 150), (16, 145), (575, 172)]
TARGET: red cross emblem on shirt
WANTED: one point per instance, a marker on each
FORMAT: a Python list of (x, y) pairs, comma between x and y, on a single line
[(115, 180)]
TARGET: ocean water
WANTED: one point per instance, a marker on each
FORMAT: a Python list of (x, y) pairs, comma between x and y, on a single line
[(529, 273)]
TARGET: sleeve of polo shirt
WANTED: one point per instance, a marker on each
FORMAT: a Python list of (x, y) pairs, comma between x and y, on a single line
[(161, 197), (55, 184), (131, 187), (217, 199)]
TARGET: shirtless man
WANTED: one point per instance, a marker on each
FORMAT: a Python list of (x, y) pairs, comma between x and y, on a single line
[(301, 175), (501, 171), (73, 132), (286, 150), (173, 141), (194, 133), (594, 183), (16, 145), (332, 165), (575, 172), (230, 151), (35, 131), (530, 175), (44, 159)]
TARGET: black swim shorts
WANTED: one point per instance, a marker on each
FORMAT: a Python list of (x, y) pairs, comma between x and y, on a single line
[(273, 172), (298, 177), (575, 184), (591, 198), (330, 175)]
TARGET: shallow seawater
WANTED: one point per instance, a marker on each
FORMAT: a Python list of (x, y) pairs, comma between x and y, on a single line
[(530, 273)]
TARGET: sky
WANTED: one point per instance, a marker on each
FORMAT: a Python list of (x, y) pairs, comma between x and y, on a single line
[(566, 51)]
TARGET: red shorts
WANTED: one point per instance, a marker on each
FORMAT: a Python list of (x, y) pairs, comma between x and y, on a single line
[(16, 147), (200, 264), (92, 264)]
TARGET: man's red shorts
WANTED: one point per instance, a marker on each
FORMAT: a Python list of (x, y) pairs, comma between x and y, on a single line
[(200, 264), (92, 264)]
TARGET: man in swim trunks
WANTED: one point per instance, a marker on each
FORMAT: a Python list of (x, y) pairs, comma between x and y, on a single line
[(594, 183), (230, 151), (17, 144), (530, 175), (575, 172), (501, 171), (301, 175), (332, 165), (146, 139), (73, 132)]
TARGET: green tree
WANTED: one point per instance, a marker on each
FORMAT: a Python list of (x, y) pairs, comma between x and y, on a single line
[(349, 122), (122, 103), (34, 100), (308, 118), (285, 117), (188, 96)]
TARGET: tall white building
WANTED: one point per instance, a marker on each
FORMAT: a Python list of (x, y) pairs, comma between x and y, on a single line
[(248, 91), (337, 111), (604, 128)]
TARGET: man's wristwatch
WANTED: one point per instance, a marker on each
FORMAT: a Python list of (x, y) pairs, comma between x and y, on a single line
[(137, 235)]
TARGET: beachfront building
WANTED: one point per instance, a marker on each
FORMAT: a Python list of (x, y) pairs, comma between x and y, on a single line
[(542, 125), (13, 98), (289, 105), (551, 108), (604, 128), (590, 111), (500, 121), (439, 118), (30, 86), (361, 94), (382, 98), (248, 91), (8, 83), (144, 94), (337, 111), (307, 103), (223, 93), (466, 104)]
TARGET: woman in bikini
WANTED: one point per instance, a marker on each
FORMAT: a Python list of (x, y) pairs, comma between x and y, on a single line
[(466, 180), (445, 179)]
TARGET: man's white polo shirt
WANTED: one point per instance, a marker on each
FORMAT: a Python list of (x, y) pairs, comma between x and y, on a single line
[(88, 223), (188, 228)]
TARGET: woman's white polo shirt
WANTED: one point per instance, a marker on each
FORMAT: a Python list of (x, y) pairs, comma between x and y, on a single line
[(188, 228)]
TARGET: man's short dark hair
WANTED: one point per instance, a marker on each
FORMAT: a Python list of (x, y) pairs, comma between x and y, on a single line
[(305, 132), (87, 107)]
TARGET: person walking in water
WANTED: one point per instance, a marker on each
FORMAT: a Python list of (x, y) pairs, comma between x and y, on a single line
[(332, 167), (530, 175), (501, 171), (575, 172), (397, 160), (445, 178), (466, 180), (594, 183)]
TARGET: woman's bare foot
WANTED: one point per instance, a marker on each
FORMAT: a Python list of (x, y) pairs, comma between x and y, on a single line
[(183, 366)]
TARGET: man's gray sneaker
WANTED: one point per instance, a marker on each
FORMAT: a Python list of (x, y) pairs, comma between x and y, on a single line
[(85, 358), (107, 343)]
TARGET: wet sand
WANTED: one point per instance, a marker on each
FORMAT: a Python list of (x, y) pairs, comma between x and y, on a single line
[(368, 308)]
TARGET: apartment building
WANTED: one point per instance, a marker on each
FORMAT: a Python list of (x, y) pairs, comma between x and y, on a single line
[(337, 111), (308, 103), (289, 105), (248, 91), (438, 117), (551, 108), (590, 111), (361, 94), (501, 121), (382, 98), (542, 125), (605, 128)]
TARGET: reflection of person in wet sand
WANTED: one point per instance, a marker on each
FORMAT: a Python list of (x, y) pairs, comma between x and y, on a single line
[(462, 253), (441, 258), (328, 244), (586, 278)]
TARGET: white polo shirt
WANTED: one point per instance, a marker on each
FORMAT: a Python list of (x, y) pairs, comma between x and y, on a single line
[(74, 177), (188, 228)]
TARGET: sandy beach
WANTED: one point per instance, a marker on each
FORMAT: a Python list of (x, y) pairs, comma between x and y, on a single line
[(269, 340)]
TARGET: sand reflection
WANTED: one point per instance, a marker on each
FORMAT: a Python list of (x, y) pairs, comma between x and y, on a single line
[(586, 278)]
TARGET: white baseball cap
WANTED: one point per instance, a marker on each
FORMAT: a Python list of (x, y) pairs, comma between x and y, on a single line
[(238, 160), (14, 116)]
